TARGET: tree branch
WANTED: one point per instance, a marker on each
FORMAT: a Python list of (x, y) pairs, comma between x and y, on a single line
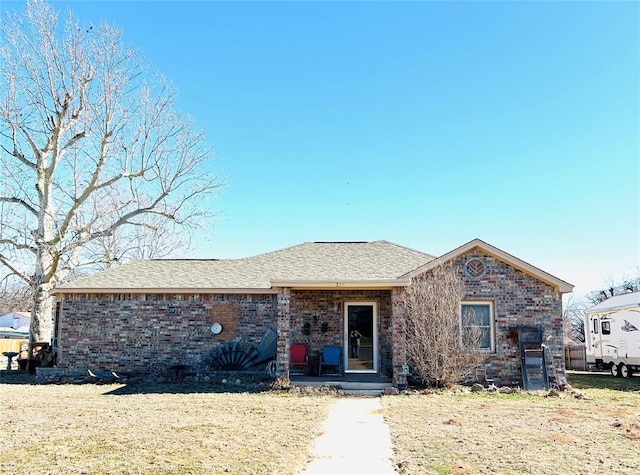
[(21, 247), (5, 262), (21, 202)]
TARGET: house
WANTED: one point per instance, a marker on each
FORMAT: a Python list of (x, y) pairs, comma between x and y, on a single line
[(221, 314)]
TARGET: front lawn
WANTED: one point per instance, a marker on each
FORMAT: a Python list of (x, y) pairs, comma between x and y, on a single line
[(100, 429), (448, 433), (107, 429)]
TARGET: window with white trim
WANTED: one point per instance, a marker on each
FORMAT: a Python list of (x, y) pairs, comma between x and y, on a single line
[(476, 318)]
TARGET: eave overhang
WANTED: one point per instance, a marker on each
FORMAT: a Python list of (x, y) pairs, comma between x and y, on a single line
[(381, 284), (164, 290)]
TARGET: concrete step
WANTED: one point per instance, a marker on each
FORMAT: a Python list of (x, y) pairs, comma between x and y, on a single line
[(363, 392), (362, 386), (355, 385), (364, 389)]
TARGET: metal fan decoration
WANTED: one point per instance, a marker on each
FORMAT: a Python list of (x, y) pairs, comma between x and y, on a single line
[(235, 356)]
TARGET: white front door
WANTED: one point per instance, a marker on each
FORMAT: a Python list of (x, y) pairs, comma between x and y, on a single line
[(360, 337)]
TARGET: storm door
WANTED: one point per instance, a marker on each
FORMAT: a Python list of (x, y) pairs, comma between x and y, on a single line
[(361, 337)]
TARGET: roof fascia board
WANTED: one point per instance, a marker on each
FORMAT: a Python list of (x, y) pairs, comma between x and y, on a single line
[(349, 284), (168, 290), (561, 285)]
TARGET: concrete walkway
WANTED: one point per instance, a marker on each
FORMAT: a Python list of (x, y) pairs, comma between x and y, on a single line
[(355, 440)]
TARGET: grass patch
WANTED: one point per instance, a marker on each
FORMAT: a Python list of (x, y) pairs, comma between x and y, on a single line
[(449, 433), (585, 380), (100, 429)]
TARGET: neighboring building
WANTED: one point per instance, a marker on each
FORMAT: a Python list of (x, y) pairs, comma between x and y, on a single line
[(14, 331), (15, 325), (154, 315)]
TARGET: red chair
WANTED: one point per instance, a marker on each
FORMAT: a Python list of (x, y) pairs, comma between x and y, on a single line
[(298, 358)]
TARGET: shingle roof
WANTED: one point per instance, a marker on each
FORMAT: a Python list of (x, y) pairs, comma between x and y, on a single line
[(311, 261)]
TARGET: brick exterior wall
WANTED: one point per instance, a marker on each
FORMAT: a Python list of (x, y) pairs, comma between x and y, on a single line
[(150, 333), (398, 337), (319, 307), (518, 299)]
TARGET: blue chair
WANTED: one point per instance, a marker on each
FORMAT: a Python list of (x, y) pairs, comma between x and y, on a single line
[(330, 357)]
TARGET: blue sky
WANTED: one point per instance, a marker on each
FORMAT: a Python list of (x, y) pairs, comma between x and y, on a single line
[(423, 123)]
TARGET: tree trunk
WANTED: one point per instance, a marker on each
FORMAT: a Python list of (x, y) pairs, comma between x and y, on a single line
[(41, 327)]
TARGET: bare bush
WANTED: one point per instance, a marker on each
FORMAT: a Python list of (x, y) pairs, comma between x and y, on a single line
[(437, 348)]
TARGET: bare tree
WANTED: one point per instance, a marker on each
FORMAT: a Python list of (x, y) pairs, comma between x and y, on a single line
[(613, 287), (14, 297), (441, 347), (157, 239), (91, 149), (573, 317)]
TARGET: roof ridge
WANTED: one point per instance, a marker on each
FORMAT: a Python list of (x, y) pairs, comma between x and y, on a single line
[(341, 242), (406, 247), (275, 251), (179, 259)]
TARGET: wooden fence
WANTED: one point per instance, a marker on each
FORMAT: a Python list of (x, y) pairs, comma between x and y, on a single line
[(575, 358)]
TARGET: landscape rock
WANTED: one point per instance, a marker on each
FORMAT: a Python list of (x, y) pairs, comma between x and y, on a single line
[(566, 387)]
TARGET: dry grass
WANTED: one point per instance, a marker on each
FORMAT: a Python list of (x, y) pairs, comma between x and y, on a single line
[(108, 429), (448, 433), (96, 429)]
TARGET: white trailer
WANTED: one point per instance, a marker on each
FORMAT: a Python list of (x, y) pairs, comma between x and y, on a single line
[(612, 334)]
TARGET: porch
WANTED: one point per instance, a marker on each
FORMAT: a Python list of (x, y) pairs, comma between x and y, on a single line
[(358, 324)]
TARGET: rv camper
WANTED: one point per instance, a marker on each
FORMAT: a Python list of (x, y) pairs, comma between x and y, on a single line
[(612, 334)]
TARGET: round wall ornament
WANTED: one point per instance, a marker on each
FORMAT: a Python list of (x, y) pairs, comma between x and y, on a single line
[(475, 268), (216, 328)]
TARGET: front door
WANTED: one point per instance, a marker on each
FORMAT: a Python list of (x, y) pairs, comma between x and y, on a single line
[(361, 337)]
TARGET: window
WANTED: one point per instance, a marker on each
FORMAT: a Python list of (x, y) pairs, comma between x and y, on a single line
[(606, 328), (477, 321), (595, 325)]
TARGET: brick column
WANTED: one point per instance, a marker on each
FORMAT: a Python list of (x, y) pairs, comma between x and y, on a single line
[(284, 325), (398, 337)]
